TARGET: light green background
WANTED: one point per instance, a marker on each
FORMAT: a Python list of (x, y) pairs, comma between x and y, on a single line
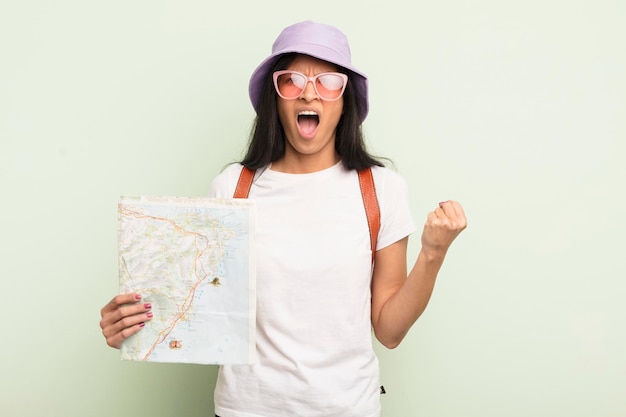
[(517, 109)]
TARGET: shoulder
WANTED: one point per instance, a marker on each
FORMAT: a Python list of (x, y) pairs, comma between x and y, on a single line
[(223, 185), (388, 181), (392, 191)]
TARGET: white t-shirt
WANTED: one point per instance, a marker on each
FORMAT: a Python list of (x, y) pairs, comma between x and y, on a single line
[(314, 339)]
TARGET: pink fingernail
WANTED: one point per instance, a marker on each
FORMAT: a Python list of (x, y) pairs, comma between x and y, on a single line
[(441, 203), (147, 306), (149, 315), (142, 324), (137, 296)]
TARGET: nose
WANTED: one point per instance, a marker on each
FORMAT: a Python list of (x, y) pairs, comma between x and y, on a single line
[(309, 93)]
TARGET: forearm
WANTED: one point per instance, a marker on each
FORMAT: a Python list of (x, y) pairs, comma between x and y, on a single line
[(402, 309)]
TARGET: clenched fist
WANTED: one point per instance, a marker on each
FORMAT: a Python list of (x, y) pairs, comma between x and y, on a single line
[(442, 226)]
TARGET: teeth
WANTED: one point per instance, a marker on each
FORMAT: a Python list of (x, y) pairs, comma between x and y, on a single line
[(307, 113)]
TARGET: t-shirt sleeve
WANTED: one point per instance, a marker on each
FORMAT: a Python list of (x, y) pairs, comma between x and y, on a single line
[(396, 220), (223, 185)]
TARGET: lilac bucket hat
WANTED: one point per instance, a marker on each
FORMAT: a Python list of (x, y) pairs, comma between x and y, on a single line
[(320, 41)]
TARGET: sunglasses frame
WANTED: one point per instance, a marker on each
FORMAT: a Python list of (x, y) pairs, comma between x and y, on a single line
[(313, 81)]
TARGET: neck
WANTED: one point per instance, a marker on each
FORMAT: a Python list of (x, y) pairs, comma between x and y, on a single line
[(303, 164)]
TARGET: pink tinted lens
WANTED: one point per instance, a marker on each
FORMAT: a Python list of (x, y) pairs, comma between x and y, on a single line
[(329, 86), (291, 84)]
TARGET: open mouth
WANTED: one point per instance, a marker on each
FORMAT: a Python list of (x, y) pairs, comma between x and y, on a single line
[(308, 122)]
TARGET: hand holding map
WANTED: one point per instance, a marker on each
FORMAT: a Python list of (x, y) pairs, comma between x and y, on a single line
[(122, 317)]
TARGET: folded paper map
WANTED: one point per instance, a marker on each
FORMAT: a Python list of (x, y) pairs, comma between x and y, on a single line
[(193, 260)]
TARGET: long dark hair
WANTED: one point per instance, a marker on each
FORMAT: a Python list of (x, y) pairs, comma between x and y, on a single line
[(267, 137)]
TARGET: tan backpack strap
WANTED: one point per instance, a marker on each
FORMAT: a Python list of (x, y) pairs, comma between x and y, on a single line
[(244, 183), (370, 202)]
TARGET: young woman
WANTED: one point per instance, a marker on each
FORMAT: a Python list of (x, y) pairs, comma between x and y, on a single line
[(320, 290)]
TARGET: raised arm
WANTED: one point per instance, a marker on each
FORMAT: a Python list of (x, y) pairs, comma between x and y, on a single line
[(397, 299)]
